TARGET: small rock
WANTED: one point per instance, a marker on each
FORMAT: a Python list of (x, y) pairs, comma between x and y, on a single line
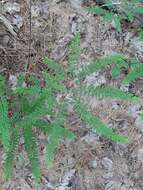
[(115, 106), (18, 21), (107, 163), (13, 81), (94, 164)]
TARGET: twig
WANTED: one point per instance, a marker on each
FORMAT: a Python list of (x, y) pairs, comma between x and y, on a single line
[(8, 25), (30, 37)]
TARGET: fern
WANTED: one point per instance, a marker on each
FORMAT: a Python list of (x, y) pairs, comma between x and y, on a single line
[(74, 53), (96, 124), (10, 154), (107, 91), (51, 146), (56, 133), (4, 123), (102, 63), (46, 107), (2, 86), (31, 148), (116, 12), (54, 66), (134, 74)]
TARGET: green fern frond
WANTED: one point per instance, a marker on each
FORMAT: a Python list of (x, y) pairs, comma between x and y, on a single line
[(56, 133), (51, 147), (54, 66), (54, 83), (39, 107), (134, 74), (2, 86), (107, 92), (117, 22), (107, 16), (32, 117), (96, 10), (96, 124), (4, 123), (27, 90), (74, 53), (25, 105), (9, 161), (43, 126), (102, 63), (31, 149), (117, 11)]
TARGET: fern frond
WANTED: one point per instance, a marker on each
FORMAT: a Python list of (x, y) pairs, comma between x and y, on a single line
[(117, 11), (56, 133), (51, 147), (27, 90), (117, 22), (54, 82), (54, 66), (74, 53), (25, 105), (31, 118), (96, 124), (9, 161), (134, 74), (43, 126), (31, 149), (107, 92), (102, 63), (96, 10), (2, 86), (4, 123), (39, 107)]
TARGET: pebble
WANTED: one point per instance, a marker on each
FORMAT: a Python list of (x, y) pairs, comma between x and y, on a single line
[(13, 81), (107, 163), (18, 21), (94, 164)]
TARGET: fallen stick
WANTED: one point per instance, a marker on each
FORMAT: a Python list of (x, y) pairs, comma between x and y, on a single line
[(8, 25)]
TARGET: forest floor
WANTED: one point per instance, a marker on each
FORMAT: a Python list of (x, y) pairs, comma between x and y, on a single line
[(90, 162)]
